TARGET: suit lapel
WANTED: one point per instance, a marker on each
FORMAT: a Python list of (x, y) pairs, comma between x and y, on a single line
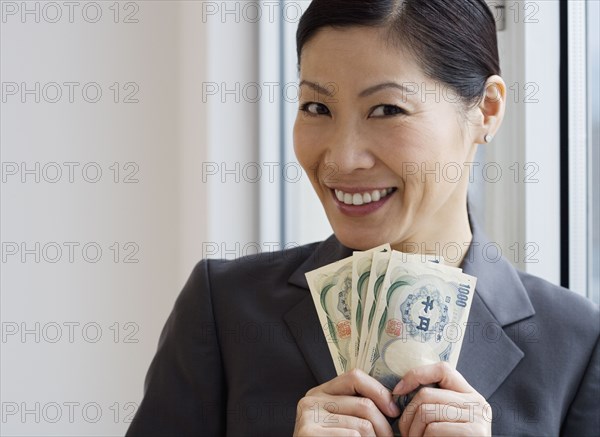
[(488, 354), (303, 322), (303, 319)]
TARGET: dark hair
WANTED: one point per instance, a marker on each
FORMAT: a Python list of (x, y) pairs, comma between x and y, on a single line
[(454, 41)]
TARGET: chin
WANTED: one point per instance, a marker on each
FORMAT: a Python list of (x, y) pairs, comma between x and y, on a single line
[(354, 239)]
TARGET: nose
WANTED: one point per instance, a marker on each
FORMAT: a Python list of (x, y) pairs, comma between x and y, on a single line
[(349, 150)]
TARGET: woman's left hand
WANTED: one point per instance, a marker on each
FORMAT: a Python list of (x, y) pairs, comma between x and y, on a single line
[(454, 409)]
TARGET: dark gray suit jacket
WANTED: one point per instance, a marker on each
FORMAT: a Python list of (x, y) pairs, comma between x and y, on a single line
[(243, 344)]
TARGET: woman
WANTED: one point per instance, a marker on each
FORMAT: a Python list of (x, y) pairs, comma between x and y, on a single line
[(390, 92)]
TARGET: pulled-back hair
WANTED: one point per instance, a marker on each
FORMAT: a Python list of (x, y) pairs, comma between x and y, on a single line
[(454, 41)]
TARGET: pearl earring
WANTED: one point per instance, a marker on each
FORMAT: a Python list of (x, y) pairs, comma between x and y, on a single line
[(488, 138)]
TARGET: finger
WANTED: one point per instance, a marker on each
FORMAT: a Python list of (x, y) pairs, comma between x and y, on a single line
[(435, 413), (447, 429), (362, 426), (322, 410), (341, 432), (439, 373), (357, 382), (432, 396), (361, 408), (335, 432)]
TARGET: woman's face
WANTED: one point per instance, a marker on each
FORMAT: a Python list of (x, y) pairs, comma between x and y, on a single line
[(385, 162)]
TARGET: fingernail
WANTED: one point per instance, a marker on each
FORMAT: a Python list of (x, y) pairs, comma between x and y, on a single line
[(399, 388), (394, 408)]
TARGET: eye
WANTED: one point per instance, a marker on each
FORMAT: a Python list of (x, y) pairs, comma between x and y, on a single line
[(313, 108), (387, 111)]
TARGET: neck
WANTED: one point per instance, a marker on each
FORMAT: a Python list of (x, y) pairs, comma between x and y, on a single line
[(451, 240)]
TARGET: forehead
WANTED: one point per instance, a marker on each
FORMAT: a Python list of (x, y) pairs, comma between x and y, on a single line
[(355, 53)]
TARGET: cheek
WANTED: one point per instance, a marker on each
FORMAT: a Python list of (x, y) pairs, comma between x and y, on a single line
[(300, 146), (306, 147), (403, 150), (423, 143)]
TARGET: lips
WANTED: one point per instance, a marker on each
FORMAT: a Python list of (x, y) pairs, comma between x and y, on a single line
[(362, 198)]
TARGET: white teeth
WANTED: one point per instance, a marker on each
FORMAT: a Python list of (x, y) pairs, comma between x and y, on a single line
[(362, 198), (357, 199)]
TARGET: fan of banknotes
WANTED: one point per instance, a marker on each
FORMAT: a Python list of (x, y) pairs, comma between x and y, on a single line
[(386, 312)]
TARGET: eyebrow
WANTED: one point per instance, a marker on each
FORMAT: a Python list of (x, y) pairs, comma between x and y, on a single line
[(381, 86), (316, 87), (371, 90)]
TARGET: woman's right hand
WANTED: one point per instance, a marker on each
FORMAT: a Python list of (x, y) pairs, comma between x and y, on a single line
[(352, 404)]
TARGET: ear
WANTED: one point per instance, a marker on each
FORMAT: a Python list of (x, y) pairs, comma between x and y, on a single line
[(490, 111)]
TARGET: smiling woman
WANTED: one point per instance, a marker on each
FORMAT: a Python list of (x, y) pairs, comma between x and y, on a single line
[(243, 352)]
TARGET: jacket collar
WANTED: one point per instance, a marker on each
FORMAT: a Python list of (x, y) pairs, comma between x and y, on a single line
[(498, 282), (326, 252), (488, 354)]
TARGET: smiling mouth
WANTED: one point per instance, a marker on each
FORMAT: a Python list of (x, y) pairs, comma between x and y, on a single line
[(362, 198)]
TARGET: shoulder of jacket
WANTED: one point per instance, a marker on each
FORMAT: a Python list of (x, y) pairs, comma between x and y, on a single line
[(562, 304), (256, 260)]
